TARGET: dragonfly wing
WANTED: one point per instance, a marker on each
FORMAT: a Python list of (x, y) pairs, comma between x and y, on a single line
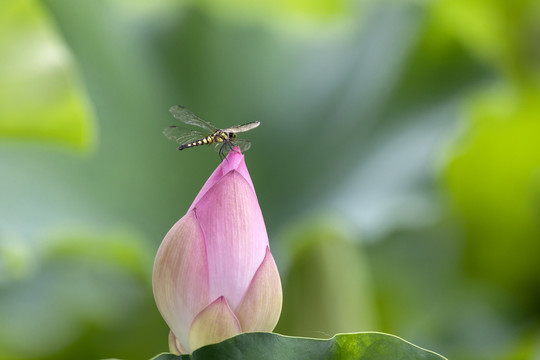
[(242, 128), (182, 135), (243, 144), (187, 117)]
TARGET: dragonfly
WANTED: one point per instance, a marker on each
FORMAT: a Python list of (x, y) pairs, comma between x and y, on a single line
[(224, 140)]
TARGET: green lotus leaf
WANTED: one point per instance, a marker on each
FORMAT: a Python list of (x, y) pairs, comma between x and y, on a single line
[(262, 346)]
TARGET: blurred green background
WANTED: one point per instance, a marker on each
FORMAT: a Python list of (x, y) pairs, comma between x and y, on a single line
[(397, 165)]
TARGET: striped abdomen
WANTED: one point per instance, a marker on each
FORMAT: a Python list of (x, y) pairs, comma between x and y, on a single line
[(204, 141), (218, 136)]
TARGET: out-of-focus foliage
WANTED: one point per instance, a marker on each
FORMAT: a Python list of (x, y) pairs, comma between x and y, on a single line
[(495, 178), (331, 271), (415, 122), (70, 288), (41, 96), (292, 15)]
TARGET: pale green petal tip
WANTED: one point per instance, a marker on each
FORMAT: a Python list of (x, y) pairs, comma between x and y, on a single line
[(261, 306), (214, 324)]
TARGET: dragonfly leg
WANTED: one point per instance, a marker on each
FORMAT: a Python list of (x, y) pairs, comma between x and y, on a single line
[(222, 154), (225, 149)]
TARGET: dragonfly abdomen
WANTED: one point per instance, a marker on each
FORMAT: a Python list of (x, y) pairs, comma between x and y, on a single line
[(204, 141)]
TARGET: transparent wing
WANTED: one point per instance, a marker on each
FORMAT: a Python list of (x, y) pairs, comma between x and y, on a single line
[(182, 135), (242, 128), (243, 144), (187, 117), (225, 147)]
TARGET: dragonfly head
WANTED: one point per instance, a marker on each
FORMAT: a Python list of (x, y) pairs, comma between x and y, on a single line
[(232, 135)]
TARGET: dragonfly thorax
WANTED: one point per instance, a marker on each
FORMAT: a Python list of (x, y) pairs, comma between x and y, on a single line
[(222, 136)]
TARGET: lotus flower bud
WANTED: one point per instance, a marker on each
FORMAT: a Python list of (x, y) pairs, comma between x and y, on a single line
[(214, 276)]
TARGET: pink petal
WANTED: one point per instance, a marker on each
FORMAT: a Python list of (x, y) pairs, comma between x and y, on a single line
[(234, 161), (212, 325), (261, 306), (180, 278), (235, 234)]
